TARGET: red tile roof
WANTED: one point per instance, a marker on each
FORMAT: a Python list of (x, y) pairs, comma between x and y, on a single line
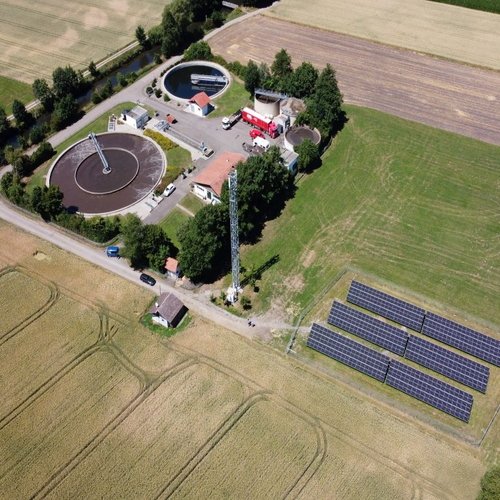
[(201, 98), (172, 265), (216, 173)]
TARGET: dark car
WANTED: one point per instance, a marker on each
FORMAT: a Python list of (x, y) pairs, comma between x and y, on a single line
[(148, 279)]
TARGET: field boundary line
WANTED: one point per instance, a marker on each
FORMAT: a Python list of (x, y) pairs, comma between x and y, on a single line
[(211, 443), (107, 429)]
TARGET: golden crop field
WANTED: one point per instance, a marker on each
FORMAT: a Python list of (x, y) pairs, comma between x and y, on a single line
[(465, 35), (36, 37), (102, 408)]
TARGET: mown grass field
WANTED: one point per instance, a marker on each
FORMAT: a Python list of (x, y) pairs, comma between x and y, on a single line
[(411, 205), (38, 37), (172, 222), (234, 98), (429, 27), (117, 412), (13, 89)]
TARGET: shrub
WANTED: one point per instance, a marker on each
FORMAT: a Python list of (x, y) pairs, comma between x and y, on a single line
[(165, 97), (164, 142), (158, 93)]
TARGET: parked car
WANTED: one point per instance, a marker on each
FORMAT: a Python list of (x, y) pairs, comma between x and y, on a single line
[(207, 152), (147, 279), (256, 133), (113, 251), (169, 190)]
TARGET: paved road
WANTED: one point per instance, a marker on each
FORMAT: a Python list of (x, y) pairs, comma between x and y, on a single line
[(439, 93), (194, 301)]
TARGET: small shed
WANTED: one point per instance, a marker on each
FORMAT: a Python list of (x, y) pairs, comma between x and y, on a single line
[(137, 117), (168, 310), (290, 160), (173, 268), (200, 104)]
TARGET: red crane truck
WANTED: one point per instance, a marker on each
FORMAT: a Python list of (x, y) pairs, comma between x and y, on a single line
[(260, 121)]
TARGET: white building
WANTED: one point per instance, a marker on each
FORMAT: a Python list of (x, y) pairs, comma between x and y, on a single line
[(168, 310), (136, 117), (207, 185), (200, 104)]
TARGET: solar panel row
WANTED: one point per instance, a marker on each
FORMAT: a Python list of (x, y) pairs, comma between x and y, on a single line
[(430, 390), (463, 338), (447, 363), (390, 307), (367, 327), (348, 351)]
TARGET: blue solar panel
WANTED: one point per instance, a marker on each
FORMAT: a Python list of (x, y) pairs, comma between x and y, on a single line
[(430, 390), (367, 327), (348, 351), (463, 338), (390, 307), (447, 363)]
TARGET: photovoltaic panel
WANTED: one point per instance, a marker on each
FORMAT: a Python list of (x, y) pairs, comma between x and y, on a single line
[(447, 363), (348, 351), (463, 338), (430, 390), (367, 327), (390, 307)]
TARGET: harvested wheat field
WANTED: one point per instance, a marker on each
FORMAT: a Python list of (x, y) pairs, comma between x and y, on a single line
[(113, 411), (465, 35), (36, 37), (420, 88)]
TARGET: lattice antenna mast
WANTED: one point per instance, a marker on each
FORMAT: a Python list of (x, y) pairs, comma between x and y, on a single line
[(235, 240), (106, 168)]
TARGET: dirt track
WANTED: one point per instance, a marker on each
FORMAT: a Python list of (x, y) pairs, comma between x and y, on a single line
[(440, 93)]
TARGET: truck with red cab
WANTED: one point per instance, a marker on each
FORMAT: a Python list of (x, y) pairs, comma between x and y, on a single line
[(260, 121)]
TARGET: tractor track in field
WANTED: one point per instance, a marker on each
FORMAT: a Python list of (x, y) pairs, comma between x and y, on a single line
[(53, 297), (440, 93)]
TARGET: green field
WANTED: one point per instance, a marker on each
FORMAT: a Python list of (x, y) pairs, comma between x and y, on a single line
[(234, 98), (409, 204), (13, 89), (192, 203), (486, 5), (171, 223)]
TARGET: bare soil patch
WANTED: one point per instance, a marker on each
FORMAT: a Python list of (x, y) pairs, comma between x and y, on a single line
[(405, 84), (419, 25)]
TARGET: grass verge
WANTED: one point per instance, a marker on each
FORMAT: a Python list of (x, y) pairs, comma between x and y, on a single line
[(192, 203), (14, 89), (234, 98), (409, 204), (171, 223)]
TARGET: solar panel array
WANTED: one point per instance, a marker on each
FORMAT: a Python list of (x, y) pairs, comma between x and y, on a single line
[(367, 327), (386, 305), (447, 363), (463, 338), (348, 351), (430, 390)]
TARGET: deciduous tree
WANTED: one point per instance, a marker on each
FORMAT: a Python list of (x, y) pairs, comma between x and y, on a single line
[(43, 93), (252, 77), (303, 81), (66, 81), (22, 116), (140, 35), (309, 157)]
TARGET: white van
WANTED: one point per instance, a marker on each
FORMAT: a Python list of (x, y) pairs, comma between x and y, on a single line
[(262, 143)]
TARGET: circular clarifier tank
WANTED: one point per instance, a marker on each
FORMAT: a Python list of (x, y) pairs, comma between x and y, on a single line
[(185, 80)]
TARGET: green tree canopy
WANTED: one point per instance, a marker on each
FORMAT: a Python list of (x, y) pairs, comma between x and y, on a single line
[(66, 81), (94, 72), (66, 111), (141, 37), (490, 484), (22, 116), (43, 93), (324, 107), (205, 247), (309, 157), (198, 50), (4, 125), (252, 77), (303, 81), (171, 33)]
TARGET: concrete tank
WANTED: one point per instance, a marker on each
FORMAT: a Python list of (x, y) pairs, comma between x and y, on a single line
[(296, 135), (267, 105), (292, 107)]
